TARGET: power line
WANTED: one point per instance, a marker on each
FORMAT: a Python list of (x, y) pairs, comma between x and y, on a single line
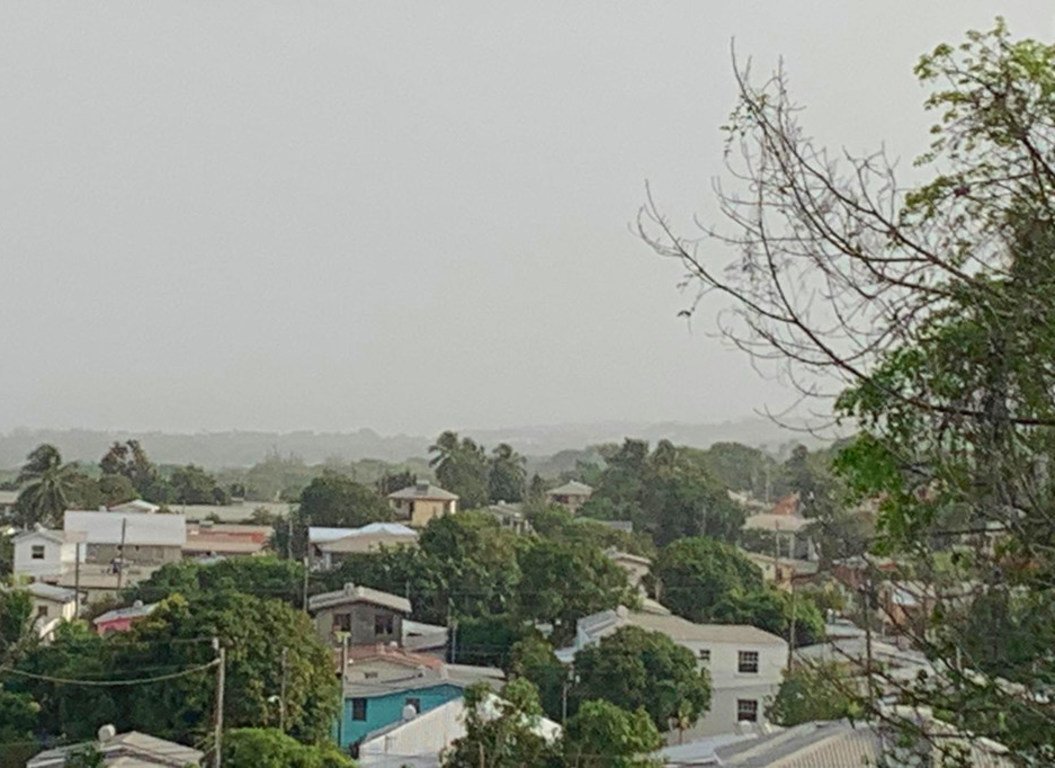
[(108, 683)]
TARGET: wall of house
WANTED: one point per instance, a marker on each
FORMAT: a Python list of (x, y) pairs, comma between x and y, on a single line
[(136, 553), (419, 512), (57, 557), (363, 622), (387, 708), (53, 609)]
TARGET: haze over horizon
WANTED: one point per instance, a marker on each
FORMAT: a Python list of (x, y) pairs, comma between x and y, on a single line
[(399, 216)]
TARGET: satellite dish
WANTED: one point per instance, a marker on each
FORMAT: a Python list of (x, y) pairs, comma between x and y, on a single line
[(409, 712), (106, 733)]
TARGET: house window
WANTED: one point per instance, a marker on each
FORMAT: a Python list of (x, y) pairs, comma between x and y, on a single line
[(384, 624), (705, 655), (42, 611), (748, 662), (369, 675), (359, 709), (415, 702), (37, 553), (747, 710), (342, 622)]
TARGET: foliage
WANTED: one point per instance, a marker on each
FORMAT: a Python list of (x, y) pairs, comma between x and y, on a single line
[(601, 735), (693, 575), (332, 500), (115, 489), (16, 625), (18, 716), (501, 732), (489, 640), (772, 610), (46, 486), (193, 485), (461, 467), (506, 476), (130, 460), (814, 692), (267, 577), (270, 748), (85, 757), (533, 659), (634, 668)]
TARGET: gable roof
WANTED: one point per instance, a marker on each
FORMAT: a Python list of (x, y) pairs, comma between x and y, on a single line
[(42, 591), (604, 623), (135, 611), (51, 534), (132, 749), (141, 528), (571, 488), (426, 491), (320, 536), (353, 593), (135, 505)]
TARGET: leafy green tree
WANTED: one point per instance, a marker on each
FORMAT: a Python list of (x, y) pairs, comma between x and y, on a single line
[(461, 467), (489, 640), (740, 468), (270, 748), (16, 625), (814, 692), (924, 310), (601, 735), (391, 482), (265, 577), (7, 554), (772, 610), (130, 461), (562, 582), (502, 732), (46, 485), (633, 668), (85, 757), (255, 632), (340, 502), (18, 717), (116, 489), (694, 575), (533, 658), (193, 485), (506, 476)]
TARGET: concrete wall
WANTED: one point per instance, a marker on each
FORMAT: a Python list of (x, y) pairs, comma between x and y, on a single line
[(146, 555), (387, 708), (362, 624), (418, 512), (57, 557)]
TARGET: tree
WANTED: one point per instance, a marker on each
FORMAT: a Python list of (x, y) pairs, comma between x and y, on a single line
[(16, 625), (130, 460), (814, 692), (533, 658), (461, 467), (193, 485), (561, 583), (601, 735), (265, 577), (923, 310), (506, 475), (338, 501), (694, 575), (46, 485), (116, 489), (270, 748), (502, 732), (391, 482), (772, 610), (87, 756), (633, 668)]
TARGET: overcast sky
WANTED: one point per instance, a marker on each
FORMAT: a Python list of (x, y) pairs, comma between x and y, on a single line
[(405, 216)]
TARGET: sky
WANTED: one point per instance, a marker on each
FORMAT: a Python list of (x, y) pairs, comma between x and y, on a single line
[(402, 216)]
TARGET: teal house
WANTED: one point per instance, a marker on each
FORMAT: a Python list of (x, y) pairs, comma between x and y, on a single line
[(386, 684)]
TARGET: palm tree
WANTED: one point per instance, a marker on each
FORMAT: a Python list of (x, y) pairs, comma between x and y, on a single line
[(445, 448), (508, 474), (46, 485)]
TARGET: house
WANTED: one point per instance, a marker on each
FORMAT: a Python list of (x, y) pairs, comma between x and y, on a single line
[(359, 616), (745, 663), (141, 538), (510, 516), (207, 539), (328, 546), (636, 567), (786, 530), (42, 553), (125, 750), (572, 495), (418, 740), (422, 502), (51, 606), (122, 619), (782, 571), (8, 499), (380, 682), (425, 638)]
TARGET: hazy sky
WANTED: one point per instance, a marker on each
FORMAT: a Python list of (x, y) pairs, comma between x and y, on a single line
[(407, 216)]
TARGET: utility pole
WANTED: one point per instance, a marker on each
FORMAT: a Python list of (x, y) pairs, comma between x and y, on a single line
[(289, 534), (791, 634), (282, 692), (305, 583), (217, 758), (77, 582), (868, 638), (121, 553)]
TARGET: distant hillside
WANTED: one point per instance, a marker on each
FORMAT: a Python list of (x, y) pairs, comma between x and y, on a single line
[(242, 449)]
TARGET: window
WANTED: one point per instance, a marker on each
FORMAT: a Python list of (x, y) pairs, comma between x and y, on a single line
[(413, 701), (748, 662), (384, 624), (342, 622), (705, 655), (747, 710), (369, 675), (37, 553), (42, 611), (359, 709)]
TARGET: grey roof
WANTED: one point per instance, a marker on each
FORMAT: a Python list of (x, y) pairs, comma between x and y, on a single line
[(58, 537), (571, 488), (356, 594), (127, 750), (604, 623), (837, 744), (424, 491), (50, 592), (137, 528)]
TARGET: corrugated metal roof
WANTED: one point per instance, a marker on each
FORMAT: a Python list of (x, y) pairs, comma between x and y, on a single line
[(426, 491), (141, 528), (353, 593)]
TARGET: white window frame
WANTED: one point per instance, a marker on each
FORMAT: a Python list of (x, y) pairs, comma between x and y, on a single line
[(747, 659)]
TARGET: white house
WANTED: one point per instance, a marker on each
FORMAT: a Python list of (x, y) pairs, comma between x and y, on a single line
[(139, 537), (745, 663), (42, 553), (51, 606)]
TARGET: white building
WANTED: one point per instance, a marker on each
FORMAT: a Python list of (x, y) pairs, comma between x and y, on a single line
[(43, 553), (745, 663)]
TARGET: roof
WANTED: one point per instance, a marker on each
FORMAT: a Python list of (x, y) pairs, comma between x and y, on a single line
[(42, 591), (571, 488), (424, 491), (407, 670), (506, 509), (134, 611), (617, 555), (8, 498), (227, 538), (140, 528), (230, 513), (135, 505), (357, 594), (59, 537), (601, 624), (837, 744), (768, 521), (127, 750), (329, 538)]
